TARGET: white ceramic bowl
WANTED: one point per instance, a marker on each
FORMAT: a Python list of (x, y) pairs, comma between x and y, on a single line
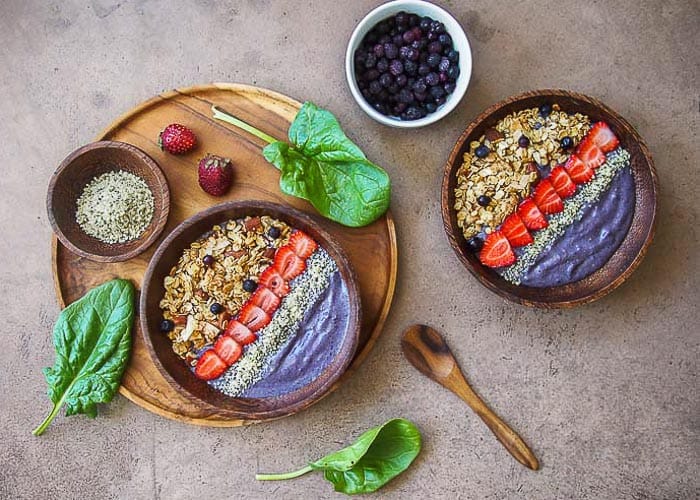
[(421, 8)]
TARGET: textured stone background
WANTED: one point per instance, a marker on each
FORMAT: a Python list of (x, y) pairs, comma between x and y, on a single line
[(606, 394)]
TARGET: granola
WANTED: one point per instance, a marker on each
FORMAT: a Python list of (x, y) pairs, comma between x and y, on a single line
[(241, 249), (506, 174)]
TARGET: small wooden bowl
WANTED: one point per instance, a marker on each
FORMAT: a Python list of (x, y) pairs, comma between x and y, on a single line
[(174, 369), (633, 248), (74, 173)]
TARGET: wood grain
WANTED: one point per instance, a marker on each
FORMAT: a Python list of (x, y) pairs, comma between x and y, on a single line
[(76, 171), (371, 249), (427, 350), (632, 249)]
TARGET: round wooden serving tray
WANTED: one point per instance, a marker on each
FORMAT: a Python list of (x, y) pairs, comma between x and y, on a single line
[(371, 249), (632, 249)]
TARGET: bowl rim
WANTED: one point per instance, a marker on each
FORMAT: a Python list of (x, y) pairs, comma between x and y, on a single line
[(497, 285), (160, 215), (354, 313), (465, 62)]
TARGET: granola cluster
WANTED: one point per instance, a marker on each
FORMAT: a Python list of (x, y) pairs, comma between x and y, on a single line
[(241, 249), (506, 174)]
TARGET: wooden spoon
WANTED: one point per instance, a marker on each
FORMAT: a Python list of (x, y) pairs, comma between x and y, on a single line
[(427, 350)]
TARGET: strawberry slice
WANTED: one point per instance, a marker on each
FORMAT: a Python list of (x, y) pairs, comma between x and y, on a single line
[(302, 244), (514, 229), (531, 215), (497, 252), (287, 263), (274, 281), (579, 172), (561, 181), (253, 317), (546, 198), (590, 154), (265, 300), (602, 136), (209, 366), (240, 333), (228, 349)]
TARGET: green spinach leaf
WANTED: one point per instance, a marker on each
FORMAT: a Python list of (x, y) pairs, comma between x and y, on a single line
[(92, 338), (324, 167), (378, 456)]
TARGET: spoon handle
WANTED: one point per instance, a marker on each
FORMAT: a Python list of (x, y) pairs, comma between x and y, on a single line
[(507, 436)]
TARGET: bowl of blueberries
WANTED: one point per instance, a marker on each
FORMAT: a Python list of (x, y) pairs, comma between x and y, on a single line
[(408, 63)]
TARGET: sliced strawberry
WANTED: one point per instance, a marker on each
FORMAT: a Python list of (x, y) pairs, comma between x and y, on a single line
[(531, 215), (602, 136), (240, 332), (496, 252), (265, 300), (302, 244), (287, 263), (561, 181), (273, 280), (579, 172), (514, 229), (209, 366), (590, 154), (228, 349), (546, 198), (253, 317)]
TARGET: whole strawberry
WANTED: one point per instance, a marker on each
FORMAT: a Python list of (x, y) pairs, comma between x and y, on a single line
[(177, 139), (215, 174)]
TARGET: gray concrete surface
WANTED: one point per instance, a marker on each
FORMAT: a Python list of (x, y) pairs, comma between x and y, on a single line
[(606, 394)]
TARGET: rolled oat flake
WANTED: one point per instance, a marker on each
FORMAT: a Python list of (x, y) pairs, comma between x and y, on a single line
[(115, 207)]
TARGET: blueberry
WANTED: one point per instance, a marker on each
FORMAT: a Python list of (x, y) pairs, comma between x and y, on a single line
[(166, 325), (405, 96), (425, 24), (393, 89), (378, 50), (401, 18), (435, 47), (431, 36), (274, 232), (420, 96), (413, 113), (475, 244), (396, 67), (430, 107), (397, 40), (372, 74), (445, 39), (453, 72), (216, 308), (437, 27), (482, 151), (391, 51), (545, 110), (453, 55), (399, 108), (437, 92), (449, 87), (381, 107), (413, 54), (433, 60), (382, 65), (375, 87), (432, 79), (444, 64), (410, 68), (420, 85), (483, 200), (567, 142), (401, 80), (250, 285), (523, 142), (208, 260), (423, 69), (440, 101), (386, 80), (413, 20)]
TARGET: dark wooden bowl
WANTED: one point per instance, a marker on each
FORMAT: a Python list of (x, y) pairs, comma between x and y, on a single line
[(79, 168), (174, 369), (633, 248)]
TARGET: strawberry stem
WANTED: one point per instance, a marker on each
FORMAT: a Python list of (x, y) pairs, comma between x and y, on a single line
[(218, 114), (280, 477)]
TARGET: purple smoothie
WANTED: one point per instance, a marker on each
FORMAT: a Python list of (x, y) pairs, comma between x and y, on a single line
[(588, 243), (305, 355)]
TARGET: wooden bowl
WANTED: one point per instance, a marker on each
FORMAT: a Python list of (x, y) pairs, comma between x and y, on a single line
[(74, 173), (633, 248), (174, 368)]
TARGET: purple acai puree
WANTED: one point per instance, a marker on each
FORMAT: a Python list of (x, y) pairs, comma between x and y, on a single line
[(588, 243), (305, 355)]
